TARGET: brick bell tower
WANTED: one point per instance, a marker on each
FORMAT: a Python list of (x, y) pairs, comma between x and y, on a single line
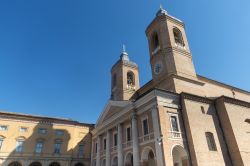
[(169, 50), (125, 78)]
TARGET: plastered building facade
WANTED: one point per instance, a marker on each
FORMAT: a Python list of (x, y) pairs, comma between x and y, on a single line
[(27, 140), (178, 118)]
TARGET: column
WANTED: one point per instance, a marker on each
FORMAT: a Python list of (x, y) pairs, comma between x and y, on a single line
[(108, 148), (157, 135), (136, 154), (98, 154), (119, 146)]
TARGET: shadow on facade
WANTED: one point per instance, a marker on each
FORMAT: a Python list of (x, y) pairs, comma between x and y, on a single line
[(46, 146), (212, 110)]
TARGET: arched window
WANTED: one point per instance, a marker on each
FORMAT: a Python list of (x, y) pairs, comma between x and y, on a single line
[(114, 81), (79, 164), (178, 37), (155, 42), (54, 164), (15, 163), (210, 141), (129, 159), (104, 162), (130, 78), (35, 164), (115, 161)]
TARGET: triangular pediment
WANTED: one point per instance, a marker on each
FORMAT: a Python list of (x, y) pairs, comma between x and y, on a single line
[(112, 108)]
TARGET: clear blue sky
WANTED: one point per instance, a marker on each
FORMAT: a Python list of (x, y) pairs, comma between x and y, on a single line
[(56, 55)]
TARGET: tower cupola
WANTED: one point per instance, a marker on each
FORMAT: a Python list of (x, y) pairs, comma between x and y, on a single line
[(125, 78)]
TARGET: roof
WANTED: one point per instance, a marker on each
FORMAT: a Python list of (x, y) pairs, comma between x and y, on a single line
[(39, 118)]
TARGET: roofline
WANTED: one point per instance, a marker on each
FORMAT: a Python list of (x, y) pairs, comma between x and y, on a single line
[(223, 84), (38, 118), (165, 17), (212, 100)]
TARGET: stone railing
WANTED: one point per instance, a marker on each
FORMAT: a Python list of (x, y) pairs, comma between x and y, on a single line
[(146, 138), (114, 148), (127, 144), (175, 134)]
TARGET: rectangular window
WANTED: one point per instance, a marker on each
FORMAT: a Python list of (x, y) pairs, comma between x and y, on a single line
[(115, 139), (174, 124), (19, 146), (59, 132), (23, 129), (128, 134), (39, 147), (3, 128), (81, 150), (1, 143), (104, 143), (210, 141), (57, 147), (42, 131), (145, 126)]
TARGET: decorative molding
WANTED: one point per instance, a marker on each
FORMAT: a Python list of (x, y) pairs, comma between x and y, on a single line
[(146, 98), (196, 98), (222, 84), (235, 101)]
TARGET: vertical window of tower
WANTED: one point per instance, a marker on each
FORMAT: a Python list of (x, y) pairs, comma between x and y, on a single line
[(178, 37), (155, 43), (130, 78)]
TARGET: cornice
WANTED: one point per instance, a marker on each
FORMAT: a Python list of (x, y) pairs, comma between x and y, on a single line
[(222, 84), (196, 98), (212, 101), (42, 121), (234, 101), (188, 79), (150, 98), (164, 18)]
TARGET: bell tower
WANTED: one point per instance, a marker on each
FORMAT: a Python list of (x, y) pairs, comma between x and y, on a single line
[(169, 50), (125, 78)]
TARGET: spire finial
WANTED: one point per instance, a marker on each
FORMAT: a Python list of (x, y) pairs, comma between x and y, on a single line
[(123, 48), (161, 6), (162, 11), (124, 55)]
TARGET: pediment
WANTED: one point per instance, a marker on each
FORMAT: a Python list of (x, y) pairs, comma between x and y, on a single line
[(112, 108)]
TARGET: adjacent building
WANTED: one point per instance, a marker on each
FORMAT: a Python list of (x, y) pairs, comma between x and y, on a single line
[(178, 118), (27, 140)]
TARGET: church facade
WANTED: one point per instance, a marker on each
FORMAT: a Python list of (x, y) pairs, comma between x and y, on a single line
[(179, 118)]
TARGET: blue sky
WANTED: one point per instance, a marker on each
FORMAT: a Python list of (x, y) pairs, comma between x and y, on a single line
[(56, 56)]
